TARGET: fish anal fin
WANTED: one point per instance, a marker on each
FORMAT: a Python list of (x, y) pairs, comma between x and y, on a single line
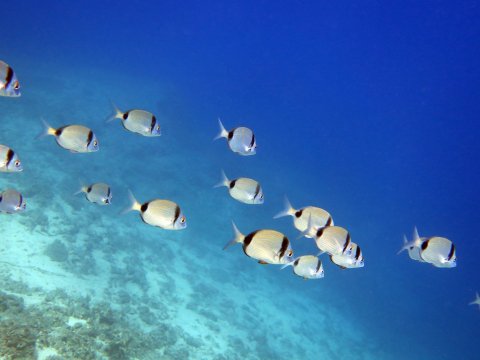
[(262, 262)]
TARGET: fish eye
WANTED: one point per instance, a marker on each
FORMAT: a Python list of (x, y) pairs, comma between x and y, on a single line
[(157, 127), (95, 142), (182, 220), (17, 163), (16, 85), (290, 252)]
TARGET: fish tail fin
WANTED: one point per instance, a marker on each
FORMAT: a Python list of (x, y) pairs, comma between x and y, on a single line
[(223, 182), (237, 239), (405, 246), (82, 188), (223, 133), (288, 210), (290, 263), (47, 130), (134, 204), (117, 113)]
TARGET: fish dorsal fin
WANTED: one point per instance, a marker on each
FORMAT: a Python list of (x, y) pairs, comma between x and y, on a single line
[(415, 234)]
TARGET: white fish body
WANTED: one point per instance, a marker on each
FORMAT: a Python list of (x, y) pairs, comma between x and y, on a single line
[(11, 201), (138, 121), (98, 193), (245, 190), (355, 260), (319, 218), (439, 251), (307, 267), (165, 214), (266, 246), (334, 240), (9, 161), (9, 84), (76, 138), (241, 140)]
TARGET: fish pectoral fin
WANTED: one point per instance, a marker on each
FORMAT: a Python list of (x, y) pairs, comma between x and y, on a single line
[(262, 262)]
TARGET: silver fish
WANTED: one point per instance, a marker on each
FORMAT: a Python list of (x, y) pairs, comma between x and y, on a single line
[(307, 267), (355, 260), (266, 246), (245, 190), (161, 213), (439, 251), (138, 121), (98, 193), (241, 140), (9, 161), (11, 201), (76, 138), (319, 218), (9, 84)]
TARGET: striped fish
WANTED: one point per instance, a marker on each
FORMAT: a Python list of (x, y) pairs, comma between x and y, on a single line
[(161, 213), (11, 201), (355, 260), (334, 240), (319, 218), (138, 121), (307, 267), (9, 161), (241, 140), (245, 190), (98, 193), (439, 251), (76, 138), (9, 84), (266, 246)]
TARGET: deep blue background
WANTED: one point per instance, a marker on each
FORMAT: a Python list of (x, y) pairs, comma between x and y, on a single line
[(369, 109)]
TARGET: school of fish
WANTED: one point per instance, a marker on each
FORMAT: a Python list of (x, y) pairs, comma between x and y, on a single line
[(267, 246)]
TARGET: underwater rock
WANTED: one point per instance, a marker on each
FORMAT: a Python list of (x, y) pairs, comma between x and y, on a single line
[(176, 353), (164, 335), (146, 315), (17, 341), (57, 251), (10, 303)]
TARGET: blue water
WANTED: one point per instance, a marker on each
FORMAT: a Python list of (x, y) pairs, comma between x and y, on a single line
[(369, 110)]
